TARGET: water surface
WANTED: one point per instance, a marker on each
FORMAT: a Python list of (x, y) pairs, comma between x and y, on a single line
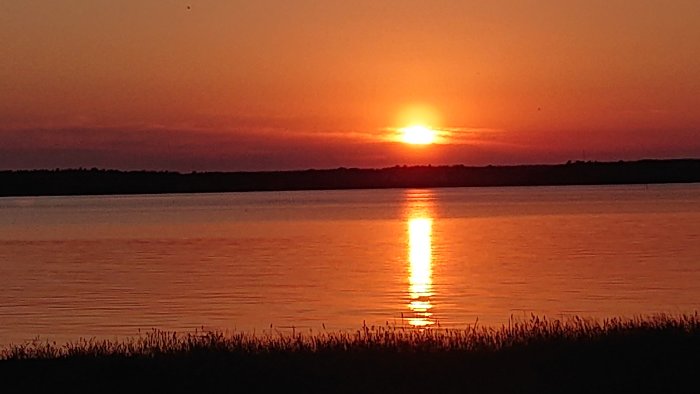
[(110, 265)]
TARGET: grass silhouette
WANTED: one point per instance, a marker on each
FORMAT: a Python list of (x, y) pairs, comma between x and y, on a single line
[(657, 353)]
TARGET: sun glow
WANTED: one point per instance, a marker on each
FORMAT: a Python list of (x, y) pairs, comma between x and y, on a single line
[(418, 135)]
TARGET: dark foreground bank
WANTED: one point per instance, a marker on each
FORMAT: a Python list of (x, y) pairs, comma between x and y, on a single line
[(658, 354), (94, 182)]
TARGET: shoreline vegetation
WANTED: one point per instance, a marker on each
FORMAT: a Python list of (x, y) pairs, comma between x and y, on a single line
[(61, 182), (658, 353)]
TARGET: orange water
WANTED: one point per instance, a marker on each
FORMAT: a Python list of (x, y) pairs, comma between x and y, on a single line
[(108, 266)]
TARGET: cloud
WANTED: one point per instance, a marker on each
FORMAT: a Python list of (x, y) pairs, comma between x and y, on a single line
[(452, 135), (205, 147), (184, 149)]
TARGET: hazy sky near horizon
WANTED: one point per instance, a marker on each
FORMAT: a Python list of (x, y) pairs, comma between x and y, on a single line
[(278, 84)]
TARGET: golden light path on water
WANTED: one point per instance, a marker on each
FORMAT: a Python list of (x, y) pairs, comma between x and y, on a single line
[(420, 257)]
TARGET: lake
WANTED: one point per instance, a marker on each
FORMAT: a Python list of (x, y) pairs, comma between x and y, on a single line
[(107, 266)]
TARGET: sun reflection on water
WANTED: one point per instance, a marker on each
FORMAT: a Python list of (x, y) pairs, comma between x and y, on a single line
[(420, 254)]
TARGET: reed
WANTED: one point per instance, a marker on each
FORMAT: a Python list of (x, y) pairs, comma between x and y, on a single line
[(655, 352), (388, 338)]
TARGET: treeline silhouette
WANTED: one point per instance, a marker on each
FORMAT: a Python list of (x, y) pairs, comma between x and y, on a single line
[(96, 181)]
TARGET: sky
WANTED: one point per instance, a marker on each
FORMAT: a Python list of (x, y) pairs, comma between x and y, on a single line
[(278, 84)]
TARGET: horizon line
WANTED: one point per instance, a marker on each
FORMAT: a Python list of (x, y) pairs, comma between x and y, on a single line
[(568, 162)]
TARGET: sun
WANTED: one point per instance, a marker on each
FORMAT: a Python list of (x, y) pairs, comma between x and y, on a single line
[(418, 135)]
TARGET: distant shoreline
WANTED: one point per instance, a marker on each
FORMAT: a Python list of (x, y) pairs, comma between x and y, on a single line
[(66, 182)]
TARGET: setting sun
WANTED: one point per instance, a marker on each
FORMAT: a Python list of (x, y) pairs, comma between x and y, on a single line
[(418, 135)]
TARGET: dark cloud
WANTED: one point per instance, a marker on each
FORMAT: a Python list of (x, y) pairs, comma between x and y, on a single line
[(159, 148)]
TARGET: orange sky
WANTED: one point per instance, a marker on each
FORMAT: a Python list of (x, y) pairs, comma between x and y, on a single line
[(273, 84)]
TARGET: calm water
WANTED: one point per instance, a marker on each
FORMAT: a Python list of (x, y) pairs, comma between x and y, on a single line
[(107, 266)]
